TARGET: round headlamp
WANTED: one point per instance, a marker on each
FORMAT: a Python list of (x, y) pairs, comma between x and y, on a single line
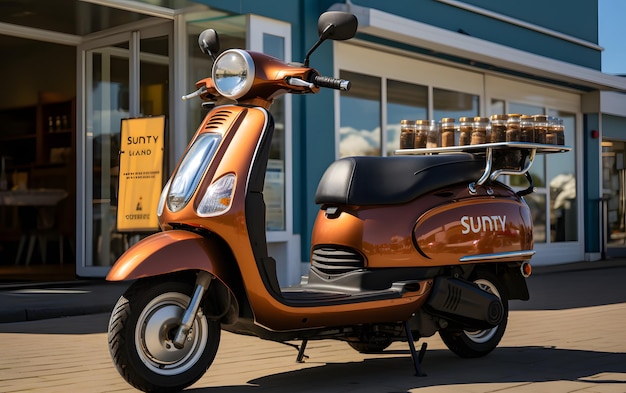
[(233, 73)]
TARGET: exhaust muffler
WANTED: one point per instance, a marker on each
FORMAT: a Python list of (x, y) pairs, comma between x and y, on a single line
[(465, 303)]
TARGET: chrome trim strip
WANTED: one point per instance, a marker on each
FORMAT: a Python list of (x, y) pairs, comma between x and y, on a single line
[(524, 255)]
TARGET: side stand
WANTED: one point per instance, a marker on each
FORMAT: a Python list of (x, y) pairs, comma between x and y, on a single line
[(417, 358), (301, 354), (300, 349)]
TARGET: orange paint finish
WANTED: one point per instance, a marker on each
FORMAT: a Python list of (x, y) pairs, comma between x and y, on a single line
[(473, 227), (345, 230), (167, 252), (428, 231)]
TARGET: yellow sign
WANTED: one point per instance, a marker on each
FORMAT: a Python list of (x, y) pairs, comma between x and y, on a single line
[(141, 173)]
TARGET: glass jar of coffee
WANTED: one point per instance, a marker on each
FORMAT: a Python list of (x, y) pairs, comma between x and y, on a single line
[(559, 130), (434, 135), (513, 127), (479, 130), (498, 128), (407, 134), (448, 132), (555, 134), (527, 129), (465, 130), (540, 123), (422, 127)]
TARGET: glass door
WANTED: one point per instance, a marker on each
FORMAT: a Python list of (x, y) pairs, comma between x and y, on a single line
[(124, 75)]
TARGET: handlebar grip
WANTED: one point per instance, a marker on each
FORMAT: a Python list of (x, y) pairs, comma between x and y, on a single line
[(332, 83)]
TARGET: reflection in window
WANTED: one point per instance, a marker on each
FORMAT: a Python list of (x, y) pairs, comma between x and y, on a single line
[(561, 174), (537, 204), (614, 190), (404, 101), (554, 176), (360, 121), (274, 189), (454, 104), (537, 171)]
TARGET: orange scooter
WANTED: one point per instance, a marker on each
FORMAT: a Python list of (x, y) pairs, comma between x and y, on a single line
[(403, 247)]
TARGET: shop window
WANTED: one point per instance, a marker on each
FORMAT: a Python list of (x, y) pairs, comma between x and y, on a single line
[(362, 112), (614, 190), (561, 175), (554, 203), (360, 124), (404, 101), (454, 104)]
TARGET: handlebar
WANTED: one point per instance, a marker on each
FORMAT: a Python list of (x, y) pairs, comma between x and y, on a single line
[(196, 93), (332, 83)]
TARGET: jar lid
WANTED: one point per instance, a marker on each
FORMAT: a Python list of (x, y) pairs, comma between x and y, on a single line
[(514, 116), (499, 117), (466, 119), (423, 122), (404, 121), (481, 119), (540, 118), (448, 120), (526, 117)]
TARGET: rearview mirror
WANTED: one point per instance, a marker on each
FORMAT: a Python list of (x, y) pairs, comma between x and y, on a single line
[(209, 43), (337, 25)]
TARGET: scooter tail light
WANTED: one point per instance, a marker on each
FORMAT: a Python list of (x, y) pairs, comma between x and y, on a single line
[(218, 197), (526, 269)]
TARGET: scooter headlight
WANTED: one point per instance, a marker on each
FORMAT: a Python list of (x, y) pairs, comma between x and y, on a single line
[(218, 196), (163, 197), (191, 170), (233, 73)]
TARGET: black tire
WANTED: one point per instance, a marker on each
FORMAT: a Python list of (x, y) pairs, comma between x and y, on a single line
[(372, 346), (477, 343), (140, 330)]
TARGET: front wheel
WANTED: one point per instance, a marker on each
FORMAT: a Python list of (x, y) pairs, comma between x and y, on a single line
[(141, 330), (477, 343)]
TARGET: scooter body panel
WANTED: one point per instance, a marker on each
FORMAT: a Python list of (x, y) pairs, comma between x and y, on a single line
[(168, 252), (437, 229)]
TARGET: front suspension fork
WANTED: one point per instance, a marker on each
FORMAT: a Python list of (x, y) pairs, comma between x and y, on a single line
[(202, 284)]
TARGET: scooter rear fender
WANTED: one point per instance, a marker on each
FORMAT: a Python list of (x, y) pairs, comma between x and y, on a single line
[(169, 252)]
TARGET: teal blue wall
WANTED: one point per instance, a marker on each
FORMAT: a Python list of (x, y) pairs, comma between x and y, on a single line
[(313, 115), (580, 21), (614, 127)]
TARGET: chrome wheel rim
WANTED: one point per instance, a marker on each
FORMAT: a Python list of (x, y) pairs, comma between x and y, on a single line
[(483, 336), (155, 329)]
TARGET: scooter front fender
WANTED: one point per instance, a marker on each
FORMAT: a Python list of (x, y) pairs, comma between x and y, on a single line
[(169, 252)]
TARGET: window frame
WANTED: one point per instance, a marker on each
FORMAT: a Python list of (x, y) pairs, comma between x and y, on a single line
[(401, 66)]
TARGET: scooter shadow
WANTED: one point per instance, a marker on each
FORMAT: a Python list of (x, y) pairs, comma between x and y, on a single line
[(506, 366)]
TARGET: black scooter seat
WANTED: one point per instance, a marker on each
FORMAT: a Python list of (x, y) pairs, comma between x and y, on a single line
[(394, 180)]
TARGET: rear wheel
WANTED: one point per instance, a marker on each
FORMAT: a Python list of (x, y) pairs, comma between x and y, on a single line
[(477, 343), (141, 330)]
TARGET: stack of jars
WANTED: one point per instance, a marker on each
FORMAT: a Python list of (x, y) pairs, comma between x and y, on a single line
[(416, 134)]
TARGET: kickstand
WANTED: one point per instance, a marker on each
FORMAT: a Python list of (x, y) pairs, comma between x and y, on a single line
[(417, 359), (300, 349), (301, 354)]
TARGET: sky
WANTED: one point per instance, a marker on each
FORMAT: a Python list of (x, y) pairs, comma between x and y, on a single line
[(612, 35)]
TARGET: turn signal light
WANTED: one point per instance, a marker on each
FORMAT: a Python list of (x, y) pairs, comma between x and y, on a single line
[(526, 269)]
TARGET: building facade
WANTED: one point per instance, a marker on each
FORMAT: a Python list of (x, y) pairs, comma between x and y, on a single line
[(73, 70)]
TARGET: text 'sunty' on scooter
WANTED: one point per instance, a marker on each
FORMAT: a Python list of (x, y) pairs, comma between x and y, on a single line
[(403, 247)]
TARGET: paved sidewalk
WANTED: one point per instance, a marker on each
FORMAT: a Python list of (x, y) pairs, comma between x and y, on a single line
[(568, 338), (35, 301), (30, 302)]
